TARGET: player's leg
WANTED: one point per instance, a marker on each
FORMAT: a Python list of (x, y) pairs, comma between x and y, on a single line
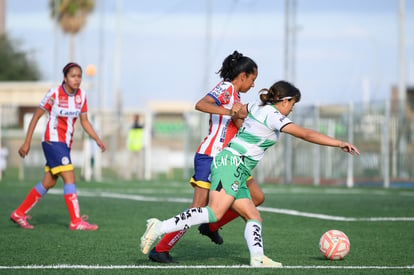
[(219, 202), (221, 197), (257, 197), (211, 230), (77, 222), (253, 233), (37, 192), (19, 216), (160, 253), (201, 184), (183, 220)]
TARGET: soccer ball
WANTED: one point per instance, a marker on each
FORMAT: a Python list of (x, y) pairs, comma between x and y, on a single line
[(334, 245)]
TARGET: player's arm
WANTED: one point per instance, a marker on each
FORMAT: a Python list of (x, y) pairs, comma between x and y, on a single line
[(25, 148), (208, 105), (318, 138), (87, 126)]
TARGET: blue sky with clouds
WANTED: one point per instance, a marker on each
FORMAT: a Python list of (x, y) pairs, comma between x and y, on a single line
[(342, 46)]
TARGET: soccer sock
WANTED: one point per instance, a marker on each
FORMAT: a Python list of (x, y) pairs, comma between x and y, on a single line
[(31, 199), (228, 217), (169, 240), (71, 199), (253, 236), (188, 218)]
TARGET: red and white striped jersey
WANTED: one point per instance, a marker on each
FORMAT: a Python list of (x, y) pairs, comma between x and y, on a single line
[(221, 127), (63, 111)]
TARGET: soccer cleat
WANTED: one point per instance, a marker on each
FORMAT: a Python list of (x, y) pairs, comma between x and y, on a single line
[(263, 261), (151, 234), (83, 225), (21, 220), (160, 257), (214, 236)]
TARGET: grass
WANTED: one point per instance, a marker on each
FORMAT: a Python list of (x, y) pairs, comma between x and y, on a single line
[(290, 239)]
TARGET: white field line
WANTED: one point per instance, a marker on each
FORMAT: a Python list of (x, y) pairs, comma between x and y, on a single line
[(113, 267), (261, 208), (331, 218)]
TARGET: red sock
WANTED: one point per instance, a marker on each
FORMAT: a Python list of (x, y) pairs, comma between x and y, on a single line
[(31, 199), (73, 207), (228, 217), (169, 240)]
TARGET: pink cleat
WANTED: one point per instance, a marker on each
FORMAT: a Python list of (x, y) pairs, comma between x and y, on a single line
[(83, 225), (21, 220)]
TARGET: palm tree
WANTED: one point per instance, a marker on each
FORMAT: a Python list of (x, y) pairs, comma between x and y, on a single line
[(71, 16)]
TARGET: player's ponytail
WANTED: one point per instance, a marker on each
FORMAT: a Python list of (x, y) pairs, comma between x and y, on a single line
[(279, 91), (235, 64)]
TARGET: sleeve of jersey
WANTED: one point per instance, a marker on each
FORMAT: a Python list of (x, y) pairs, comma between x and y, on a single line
[(222, 93), (84, 105), (278, 121), (48, 100)]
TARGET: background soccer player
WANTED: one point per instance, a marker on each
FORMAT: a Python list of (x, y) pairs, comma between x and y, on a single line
[(64, 105)]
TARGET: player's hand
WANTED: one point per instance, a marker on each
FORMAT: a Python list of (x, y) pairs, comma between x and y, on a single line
[(236, 108), (349, 148), (241, 113), (101, 145), (24, 150)]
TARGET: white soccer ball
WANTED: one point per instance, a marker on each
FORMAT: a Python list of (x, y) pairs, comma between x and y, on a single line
[(334, 245)]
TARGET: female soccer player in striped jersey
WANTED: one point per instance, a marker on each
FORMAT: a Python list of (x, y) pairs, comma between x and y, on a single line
[(230, 169), (238, 74), (64, 105)]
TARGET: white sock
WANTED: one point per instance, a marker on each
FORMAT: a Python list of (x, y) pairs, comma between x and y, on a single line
[(185, 220), (253, 236)]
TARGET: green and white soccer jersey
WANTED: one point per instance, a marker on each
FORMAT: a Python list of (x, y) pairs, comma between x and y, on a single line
[(260, 130)]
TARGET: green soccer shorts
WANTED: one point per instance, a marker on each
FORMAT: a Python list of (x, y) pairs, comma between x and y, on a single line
[(229, 172)]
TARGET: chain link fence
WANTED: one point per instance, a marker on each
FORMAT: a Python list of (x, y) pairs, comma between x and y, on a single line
[(382, 134)]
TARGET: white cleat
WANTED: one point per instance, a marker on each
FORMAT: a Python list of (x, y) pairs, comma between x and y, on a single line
[(263, 261), (151, 235)]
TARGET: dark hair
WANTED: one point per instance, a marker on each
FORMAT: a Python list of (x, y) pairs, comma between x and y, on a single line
[(69, 66), (278, 92), (235, 64)]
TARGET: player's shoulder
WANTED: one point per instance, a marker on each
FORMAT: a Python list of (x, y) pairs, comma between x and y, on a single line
[(53, 90), (265, 111), (222, 87)]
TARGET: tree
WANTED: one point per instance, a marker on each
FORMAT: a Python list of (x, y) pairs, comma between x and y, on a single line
[(15, 65), (71, 16)]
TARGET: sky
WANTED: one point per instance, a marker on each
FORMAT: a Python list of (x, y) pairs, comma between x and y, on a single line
[(170, 50)]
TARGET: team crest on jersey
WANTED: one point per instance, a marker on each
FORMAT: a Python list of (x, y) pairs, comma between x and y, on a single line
[(235, 186), (65, 160), (78, 102), (226, 96)]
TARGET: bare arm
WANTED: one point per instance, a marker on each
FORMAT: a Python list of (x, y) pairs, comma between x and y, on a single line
[(318, 138), (87, 126), (25, 148), (208, 105)]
